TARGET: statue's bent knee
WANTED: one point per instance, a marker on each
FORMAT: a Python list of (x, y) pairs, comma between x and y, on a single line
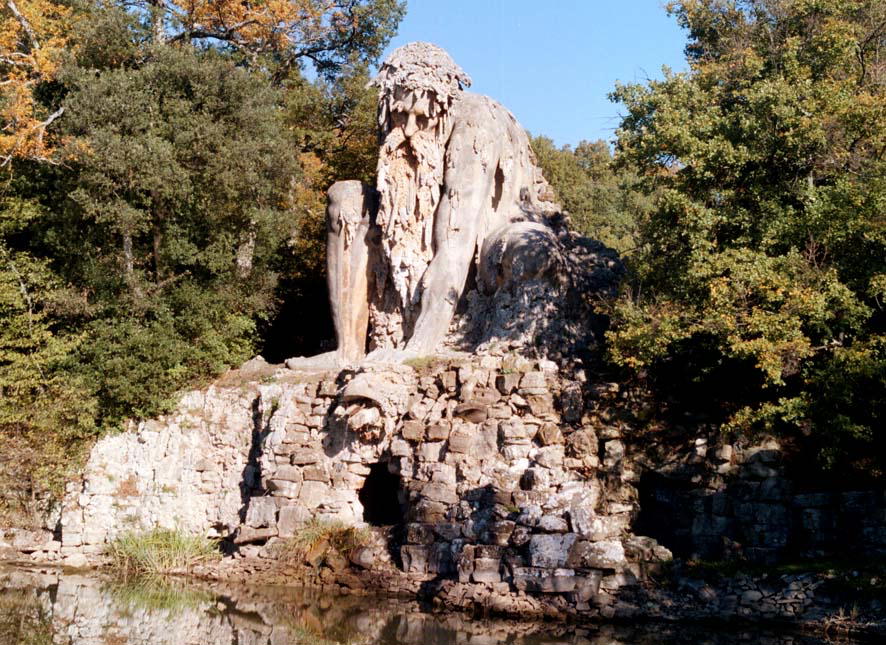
[(518, 253), (349, 215)]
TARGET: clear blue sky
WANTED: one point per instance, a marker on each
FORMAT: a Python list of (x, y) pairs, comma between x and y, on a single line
[(551, 63)]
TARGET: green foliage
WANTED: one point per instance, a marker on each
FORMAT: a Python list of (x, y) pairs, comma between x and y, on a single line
[(188, 178), (603, 198), (180, 174), (45, 412), (766, 248), (847, 396), (159, 552)]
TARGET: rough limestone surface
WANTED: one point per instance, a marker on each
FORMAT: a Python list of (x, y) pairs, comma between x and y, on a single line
[(497, 510), (188, 471), (482, 493), (458, 193)]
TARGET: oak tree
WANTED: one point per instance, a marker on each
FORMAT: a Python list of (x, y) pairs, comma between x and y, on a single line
[(762, 267)]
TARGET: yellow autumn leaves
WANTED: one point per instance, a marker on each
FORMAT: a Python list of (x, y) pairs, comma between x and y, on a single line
[(33, 37)]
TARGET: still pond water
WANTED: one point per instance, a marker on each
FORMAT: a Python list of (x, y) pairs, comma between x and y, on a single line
[(40, 608)]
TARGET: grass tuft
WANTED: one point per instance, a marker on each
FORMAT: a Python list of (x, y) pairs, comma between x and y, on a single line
[(159, 552), (420, 363), (338, 535)]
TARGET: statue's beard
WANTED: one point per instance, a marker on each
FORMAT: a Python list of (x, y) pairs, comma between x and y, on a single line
[(410, 180)]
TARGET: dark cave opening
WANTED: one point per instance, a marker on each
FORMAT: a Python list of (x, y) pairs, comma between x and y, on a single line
[(381, 497), (302, 326), (666, 512)]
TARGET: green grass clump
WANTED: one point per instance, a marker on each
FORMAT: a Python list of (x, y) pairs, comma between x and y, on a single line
[(336, 534), (420, 363), (159, 552)]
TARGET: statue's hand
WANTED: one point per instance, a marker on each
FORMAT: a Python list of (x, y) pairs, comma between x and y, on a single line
[(329, 360), (390, 356)]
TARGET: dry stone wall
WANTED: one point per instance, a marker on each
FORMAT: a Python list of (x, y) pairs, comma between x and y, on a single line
[(715, 500), (499, 475), (511, 491), (496, 468)]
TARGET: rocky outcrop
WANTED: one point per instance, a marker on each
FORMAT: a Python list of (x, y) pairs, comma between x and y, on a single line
[(509, 489), (491, 466)]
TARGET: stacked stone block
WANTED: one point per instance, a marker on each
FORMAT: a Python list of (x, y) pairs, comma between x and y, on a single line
[(503, 478)]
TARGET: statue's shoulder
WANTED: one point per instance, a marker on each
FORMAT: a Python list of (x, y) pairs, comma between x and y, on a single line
[(479, 110)]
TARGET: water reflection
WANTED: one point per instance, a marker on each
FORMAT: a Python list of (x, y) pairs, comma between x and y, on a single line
[(42, 608)]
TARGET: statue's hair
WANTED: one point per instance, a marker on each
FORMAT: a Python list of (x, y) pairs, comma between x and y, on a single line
[(422, 66)]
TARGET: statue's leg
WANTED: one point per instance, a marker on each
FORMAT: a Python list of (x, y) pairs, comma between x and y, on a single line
[(348, 219)]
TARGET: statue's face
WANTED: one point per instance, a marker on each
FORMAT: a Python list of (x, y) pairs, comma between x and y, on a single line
[(413, 110)]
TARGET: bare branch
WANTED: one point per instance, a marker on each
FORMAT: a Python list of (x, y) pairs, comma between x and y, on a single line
[(32, 36), (228, 34), (41, 129), (7, 58)]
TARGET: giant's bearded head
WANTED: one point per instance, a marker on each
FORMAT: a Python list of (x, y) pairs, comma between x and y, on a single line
[(418, 84)]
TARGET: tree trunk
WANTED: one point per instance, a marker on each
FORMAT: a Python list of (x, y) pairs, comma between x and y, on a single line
[(128, 263), (157, 8), (245, 253), (158, 239), (129, 266)]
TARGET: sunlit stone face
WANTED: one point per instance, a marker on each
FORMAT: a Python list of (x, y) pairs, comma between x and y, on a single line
[(413, 110)]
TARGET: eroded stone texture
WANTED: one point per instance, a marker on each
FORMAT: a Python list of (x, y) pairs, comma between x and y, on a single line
[(483, 493), (488, 492), (458, 188), (348, 213)]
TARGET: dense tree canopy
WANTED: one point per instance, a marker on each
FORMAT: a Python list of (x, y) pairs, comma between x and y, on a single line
[(762, 267), (602, 198), (145, 226), (282, 33), (183, 188)]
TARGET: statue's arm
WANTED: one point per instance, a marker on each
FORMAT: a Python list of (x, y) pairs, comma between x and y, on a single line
[(348, 216), (471, 160)]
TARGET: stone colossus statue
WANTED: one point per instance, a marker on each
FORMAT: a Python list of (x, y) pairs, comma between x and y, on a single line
[(457, 188)]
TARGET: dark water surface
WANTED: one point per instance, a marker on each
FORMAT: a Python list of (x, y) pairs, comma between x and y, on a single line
[(42, 608)]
